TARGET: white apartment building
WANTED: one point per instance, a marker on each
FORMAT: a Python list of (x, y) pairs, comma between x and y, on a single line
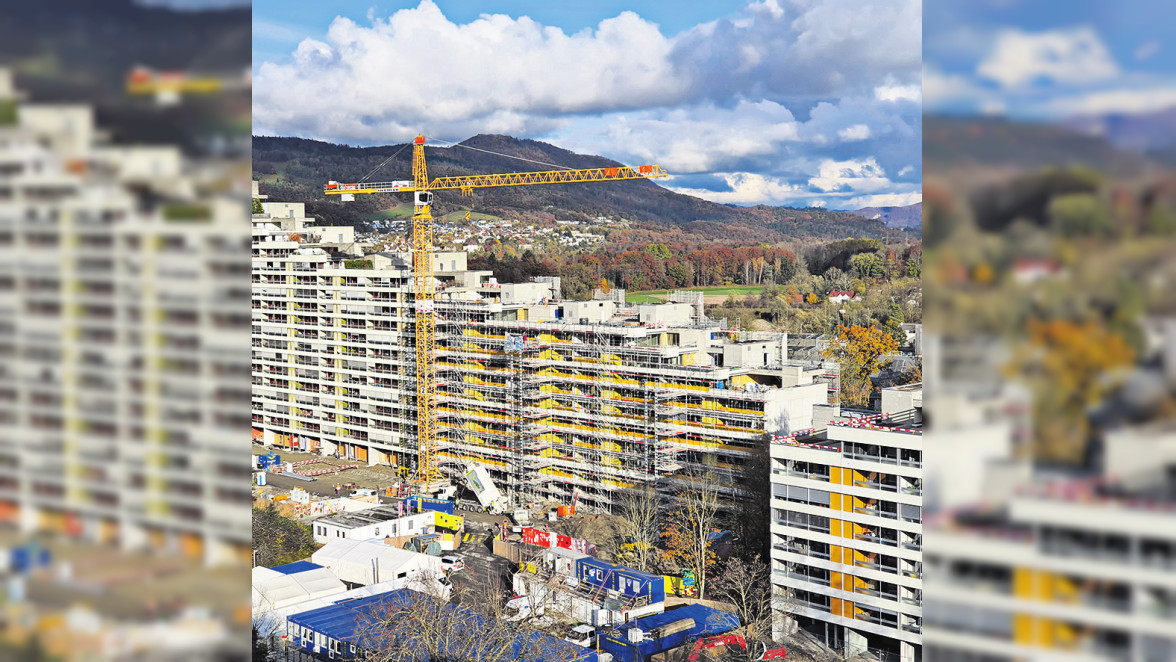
[(122, 372), (847, 529), (1067, 567)]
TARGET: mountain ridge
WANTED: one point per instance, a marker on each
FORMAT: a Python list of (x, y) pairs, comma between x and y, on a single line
[(295, 169), (906, 216)]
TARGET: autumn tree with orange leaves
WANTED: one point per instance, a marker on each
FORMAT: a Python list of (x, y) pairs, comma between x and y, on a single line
[(1070, 367), (861, 352)]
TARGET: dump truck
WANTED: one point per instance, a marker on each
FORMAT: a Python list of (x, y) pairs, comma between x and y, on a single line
[(482, 485)]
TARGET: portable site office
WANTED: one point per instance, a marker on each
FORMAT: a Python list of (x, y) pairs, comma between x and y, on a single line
[(336, 632)]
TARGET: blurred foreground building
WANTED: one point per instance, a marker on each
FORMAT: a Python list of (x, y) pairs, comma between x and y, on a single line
[(1027, 562), (1062, 566), (122, 372)]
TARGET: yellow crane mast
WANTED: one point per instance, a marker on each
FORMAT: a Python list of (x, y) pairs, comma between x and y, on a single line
[(422, 262)]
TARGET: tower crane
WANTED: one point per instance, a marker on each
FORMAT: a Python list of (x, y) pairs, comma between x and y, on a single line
[(422, 263)]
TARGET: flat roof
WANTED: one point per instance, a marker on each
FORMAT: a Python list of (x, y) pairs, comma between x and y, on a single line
[(343, 620), (365, 517)]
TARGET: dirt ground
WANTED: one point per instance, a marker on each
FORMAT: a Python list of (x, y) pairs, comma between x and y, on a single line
[(131, 585)]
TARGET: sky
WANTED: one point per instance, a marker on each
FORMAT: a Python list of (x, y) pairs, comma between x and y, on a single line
[(1027, 59), (781, 102)]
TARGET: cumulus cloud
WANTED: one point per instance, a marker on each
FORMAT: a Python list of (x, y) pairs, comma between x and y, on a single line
[(416, 68), (855, 132), (1142, 99), (1075, 55), (748, 188), (1147, 50), (850, 184), (719, 97), (865, 175)]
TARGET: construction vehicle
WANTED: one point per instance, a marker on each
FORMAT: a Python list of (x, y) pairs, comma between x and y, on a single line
[(708, 648), (428, 475), (482, 485)]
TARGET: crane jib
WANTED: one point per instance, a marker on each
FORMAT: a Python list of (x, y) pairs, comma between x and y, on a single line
[(467, 182)]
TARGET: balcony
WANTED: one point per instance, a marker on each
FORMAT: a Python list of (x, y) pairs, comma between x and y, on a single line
[(801, 549), (876, 512)]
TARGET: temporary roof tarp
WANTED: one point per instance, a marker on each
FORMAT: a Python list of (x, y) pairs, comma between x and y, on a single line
[(273, 589), (707, 623), (295, 567), (273, 621), (363, 562)]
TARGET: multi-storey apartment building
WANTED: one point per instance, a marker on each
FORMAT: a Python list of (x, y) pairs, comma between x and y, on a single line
[(552, 397), (1061, 566), (847, 529), (122, 378)]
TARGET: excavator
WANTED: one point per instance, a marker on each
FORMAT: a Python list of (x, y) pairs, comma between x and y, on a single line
[(710, 648)]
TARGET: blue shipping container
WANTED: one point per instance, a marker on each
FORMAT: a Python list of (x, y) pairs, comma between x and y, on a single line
[(414, 504), (594, 572), (626, 581)]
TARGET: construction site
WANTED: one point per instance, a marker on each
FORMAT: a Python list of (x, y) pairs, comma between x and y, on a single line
[(552, 397)]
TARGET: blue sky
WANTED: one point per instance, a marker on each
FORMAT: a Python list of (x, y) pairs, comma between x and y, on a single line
[(1027, 59), (783, 102)]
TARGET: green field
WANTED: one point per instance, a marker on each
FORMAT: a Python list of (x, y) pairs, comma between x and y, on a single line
[(398, 211), (654, 296), (459, 216)]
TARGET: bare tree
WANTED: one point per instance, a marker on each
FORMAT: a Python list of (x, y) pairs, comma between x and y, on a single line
[(640, 528), (412, 625), (747, 587), (692, 517)]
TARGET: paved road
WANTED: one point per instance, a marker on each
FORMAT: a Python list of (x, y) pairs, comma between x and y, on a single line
[(482, 567)]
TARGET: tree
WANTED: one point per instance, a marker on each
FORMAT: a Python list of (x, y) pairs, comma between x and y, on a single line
[(279, 540), (260, 648), (894, 322), (257, 208), (417, 625), (860, 351), (914, 265), (746, 585), (659, 251), (689, 524), (752, 528), (1070, 367), (812, 298), (1079, 214), (640, 527), (836, 279), (867, 266)]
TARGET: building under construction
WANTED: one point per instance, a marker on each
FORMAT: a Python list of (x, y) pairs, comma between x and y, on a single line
[(553, 397)]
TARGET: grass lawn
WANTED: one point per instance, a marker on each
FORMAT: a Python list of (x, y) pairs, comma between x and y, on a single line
[(398, 211), (459, 217), (654, 296)]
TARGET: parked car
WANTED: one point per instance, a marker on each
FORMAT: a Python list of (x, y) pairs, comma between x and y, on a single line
[(452, 563)]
